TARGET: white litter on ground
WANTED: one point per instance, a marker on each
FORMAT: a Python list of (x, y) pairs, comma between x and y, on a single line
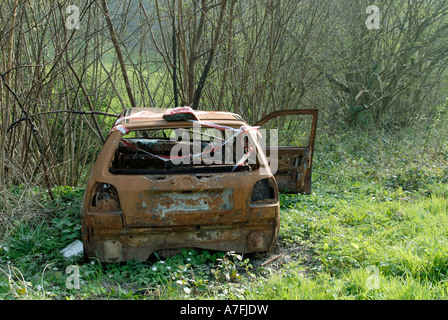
[(73, 249)]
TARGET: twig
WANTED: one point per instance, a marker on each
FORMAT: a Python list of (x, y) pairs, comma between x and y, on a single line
[(89, 102), (270, 260), (349, 189), (21, 66), (34, 132), (213, 49), (12, 125), (120, 57), (176, 99)]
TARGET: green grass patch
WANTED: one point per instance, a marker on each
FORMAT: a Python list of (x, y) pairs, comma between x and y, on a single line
[(374, 227)]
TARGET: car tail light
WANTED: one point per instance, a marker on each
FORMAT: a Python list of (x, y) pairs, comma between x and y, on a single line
[(105, 198), (264, 190)]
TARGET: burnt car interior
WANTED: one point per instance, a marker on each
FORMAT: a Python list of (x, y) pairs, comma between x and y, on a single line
[(148, 152)]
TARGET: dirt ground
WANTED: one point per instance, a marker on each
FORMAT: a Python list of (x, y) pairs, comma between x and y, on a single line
[(282, 254)]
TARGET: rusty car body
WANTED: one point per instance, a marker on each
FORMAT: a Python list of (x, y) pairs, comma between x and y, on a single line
[(138, 201)]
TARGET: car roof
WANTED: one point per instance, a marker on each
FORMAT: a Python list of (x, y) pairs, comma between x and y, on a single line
[(136, 118)]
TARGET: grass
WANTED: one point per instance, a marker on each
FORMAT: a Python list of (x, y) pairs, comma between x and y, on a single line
[(375, 227), (403, 239)]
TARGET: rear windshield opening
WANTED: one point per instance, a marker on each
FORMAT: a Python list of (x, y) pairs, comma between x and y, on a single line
[(180, 151)]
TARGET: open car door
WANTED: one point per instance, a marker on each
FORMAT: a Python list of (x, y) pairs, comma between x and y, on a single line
[(296, 132)]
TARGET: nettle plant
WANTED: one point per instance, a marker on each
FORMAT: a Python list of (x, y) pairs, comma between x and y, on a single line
[(198, 278)]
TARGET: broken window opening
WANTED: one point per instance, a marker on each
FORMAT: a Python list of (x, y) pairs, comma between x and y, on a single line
[(183, 150)]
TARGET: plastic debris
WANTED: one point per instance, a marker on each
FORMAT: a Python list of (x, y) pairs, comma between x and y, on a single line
[(73, 249)]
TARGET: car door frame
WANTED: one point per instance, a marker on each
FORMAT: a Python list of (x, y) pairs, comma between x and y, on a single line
[(293, 177)]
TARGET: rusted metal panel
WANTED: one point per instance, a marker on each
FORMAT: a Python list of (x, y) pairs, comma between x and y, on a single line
[(104, 220), (294, 169), (155, 208), (140, 242)]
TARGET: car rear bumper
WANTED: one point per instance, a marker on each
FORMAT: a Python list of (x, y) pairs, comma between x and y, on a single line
[(258, 234)]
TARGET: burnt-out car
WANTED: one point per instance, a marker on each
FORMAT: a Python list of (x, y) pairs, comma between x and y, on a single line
[(168, 179)]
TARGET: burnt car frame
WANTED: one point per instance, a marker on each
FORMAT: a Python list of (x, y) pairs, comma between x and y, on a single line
[(136, 202)]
